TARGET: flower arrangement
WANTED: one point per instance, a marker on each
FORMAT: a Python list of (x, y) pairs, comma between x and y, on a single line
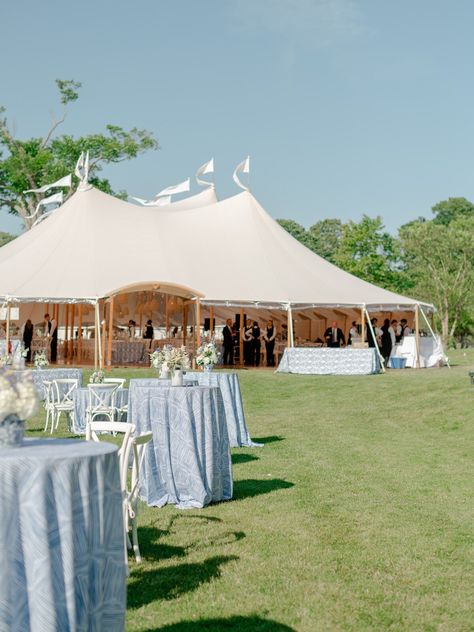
[(207, 355), (170, 358), (97, 377), (4, 359), (40, 359), (18, 401)]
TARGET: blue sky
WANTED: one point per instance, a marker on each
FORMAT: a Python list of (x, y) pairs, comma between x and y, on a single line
[(345, 107)]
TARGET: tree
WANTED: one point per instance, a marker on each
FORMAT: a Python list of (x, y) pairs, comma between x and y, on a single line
[(296, 230), (325, 238), (29, 164), (369, 252), (440, 260), (5, 238), (453, 208)]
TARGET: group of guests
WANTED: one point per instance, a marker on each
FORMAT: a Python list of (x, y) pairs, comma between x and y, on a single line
[(385, 337), (50, 329), (252, 338)]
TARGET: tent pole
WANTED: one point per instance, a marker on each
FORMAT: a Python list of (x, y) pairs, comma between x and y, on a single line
[(111, 331), (291, 342), (417, 336), (102, 355), (382, 363), (96, 335), (71, 344), (211, 320), (66, 331), (79, 335), (241, 338), (99, 341), (167, 316), (185, 322), (7, 333), (194, 333), (198, 322), (362, 324)]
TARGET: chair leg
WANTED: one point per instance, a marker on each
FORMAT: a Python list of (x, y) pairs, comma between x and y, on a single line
[(47, 419)]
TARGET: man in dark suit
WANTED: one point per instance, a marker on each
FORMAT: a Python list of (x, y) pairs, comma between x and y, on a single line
[(334, 336), (228, 343)]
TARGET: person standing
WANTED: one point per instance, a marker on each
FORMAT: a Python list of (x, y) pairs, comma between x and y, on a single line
[(406, 331), (256, 344), (28, 338), (353, 333), (149, 332), (228, 334), (334, 336), (269, 336), (386, 349), (248, 342), (52, 333)]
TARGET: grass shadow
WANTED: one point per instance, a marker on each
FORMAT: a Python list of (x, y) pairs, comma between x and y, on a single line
[(173, 581), (232, 624), (271, 439), (243, 458), (255, 487), (151, 549)]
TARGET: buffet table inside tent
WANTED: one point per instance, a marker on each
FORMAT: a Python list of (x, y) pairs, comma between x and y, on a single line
[(329, 361)]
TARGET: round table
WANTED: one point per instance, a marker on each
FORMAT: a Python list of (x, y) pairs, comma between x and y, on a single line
[(62, 537), (81, 402), (188, 462)]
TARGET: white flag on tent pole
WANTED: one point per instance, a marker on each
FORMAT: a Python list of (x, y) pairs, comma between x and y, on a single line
[(78, 171), (62, 182), (243, 167), (57, 198), (182, 187), (207, 167)]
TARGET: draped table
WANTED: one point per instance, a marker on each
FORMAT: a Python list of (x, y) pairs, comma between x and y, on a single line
[(61, 537), (431, 352), (188, 460), (39, 375), (81, 402), (234, 410), (329, 361), (129, 352)]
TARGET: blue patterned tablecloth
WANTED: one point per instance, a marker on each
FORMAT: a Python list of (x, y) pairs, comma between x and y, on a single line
[(234, 410), (81, 401), (38, 375), (188, 461), (61, 537), (329, 361)]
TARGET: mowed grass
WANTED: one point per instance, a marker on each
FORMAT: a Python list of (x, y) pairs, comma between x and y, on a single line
[(358, 514)]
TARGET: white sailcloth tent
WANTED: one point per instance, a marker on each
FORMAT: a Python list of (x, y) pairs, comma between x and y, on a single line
[(229, 253)]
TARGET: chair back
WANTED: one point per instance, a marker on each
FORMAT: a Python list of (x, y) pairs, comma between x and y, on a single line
[(63, 391), (101, 397), (120, 381), (48, 393), (93, 429)]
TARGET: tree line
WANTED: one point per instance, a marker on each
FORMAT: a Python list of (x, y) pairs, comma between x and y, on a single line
[(432, 260)]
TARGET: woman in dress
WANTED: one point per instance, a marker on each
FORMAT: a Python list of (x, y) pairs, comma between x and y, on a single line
[(28, 338)]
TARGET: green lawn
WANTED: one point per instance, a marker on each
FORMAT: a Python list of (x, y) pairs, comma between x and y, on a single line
[(358, 514)]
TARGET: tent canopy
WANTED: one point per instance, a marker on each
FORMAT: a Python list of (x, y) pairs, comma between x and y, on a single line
[(230, 253)]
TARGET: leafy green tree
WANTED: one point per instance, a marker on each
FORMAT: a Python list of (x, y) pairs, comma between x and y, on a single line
[(369, 252), (453, 208), (440, 260), (5, 238), (31, 163), (325, 238), (296, 230)]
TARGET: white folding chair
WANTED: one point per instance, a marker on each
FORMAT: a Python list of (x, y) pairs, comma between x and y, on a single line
[(101, 401), (48, 405), (93, 430), (63, 392), (139, 447), (115, 380)]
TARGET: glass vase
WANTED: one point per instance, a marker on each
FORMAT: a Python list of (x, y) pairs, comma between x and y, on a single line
[(12, 431)]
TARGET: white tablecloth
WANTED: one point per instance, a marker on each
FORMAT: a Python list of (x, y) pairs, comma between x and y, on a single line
[(431, 351), (188, 462), (329, 361), (61, 537)]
